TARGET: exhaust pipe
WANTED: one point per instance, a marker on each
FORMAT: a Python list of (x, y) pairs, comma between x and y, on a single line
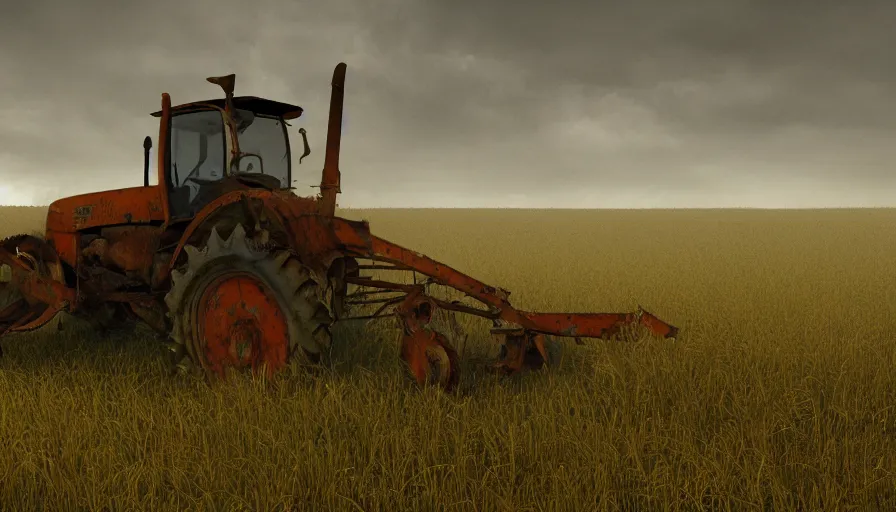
[(330, 177), (147, 145)]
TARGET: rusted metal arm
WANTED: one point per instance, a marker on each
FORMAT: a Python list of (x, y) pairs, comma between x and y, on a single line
[(593, 325), (356, 239), (389, 287)]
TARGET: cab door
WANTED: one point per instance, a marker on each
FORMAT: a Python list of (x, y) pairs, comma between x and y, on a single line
[(198, 160)]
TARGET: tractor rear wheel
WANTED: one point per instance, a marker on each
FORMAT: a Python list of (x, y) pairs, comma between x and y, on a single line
[(233, 306)]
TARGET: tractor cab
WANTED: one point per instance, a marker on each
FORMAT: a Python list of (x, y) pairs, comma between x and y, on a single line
[(222, 144)]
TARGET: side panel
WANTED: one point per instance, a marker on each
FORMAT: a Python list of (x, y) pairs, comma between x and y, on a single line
[(66, 245), (138, 205)]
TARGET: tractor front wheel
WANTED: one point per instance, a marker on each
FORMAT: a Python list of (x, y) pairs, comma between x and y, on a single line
[(235, 306)]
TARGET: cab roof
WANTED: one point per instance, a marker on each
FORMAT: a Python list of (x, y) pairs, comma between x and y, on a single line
[(253, 104)]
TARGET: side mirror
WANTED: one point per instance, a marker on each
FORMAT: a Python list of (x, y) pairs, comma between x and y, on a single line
[(305, 142), (247, 164), (147, 145)]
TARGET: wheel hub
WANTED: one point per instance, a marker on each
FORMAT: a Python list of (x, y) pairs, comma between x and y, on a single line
[(244, 342), (241, 324)]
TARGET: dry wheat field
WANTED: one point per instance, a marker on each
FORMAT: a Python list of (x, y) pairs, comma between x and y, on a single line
[(778, 395)]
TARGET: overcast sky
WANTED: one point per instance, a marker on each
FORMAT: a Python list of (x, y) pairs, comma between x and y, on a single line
[(758, 103)]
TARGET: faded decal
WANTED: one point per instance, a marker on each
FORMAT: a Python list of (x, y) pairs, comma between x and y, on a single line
[(83, 212)]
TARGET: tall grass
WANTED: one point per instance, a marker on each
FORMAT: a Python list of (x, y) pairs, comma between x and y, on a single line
[(778, 395)]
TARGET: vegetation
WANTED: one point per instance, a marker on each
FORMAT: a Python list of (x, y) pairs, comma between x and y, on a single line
[(778, 395)]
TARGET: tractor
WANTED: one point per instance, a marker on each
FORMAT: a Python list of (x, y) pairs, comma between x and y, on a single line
[(237, 272)]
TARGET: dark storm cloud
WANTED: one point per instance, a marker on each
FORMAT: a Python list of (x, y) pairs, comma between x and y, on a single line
[(479, 103)]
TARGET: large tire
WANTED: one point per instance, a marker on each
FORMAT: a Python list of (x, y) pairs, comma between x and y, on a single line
[(233, 305)]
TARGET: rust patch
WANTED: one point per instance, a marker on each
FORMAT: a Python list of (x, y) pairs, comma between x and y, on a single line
[(97, 209)]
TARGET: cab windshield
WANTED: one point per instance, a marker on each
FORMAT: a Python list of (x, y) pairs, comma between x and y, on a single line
[(198, 156), (265, 136)]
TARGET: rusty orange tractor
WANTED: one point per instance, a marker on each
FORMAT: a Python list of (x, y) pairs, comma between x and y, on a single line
[(238, 271)]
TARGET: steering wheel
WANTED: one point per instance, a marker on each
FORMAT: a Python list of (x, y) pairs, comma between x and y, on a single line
[(200, 181), (258, 180), (195, 184)]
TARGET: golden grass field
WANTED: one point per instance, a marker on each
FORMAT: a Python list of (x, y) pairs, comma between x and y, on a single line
[(778, 395)]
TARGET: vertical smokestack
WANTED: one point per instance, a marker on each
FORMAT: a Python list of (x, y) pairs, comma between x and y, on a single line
[(330, 177), (147, 145)]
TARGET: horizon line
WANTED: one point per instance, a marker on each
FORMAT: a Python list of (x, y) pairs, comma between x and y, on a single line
[(571, 208)]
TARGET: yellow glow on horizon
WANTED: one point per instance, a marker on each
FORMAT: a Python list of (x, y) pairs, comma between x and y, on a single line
[(10, 197)]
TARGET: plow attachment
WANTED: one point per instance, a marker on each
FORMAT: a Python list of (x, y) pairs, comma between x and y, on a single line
[(32, 289), (520, 333)]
